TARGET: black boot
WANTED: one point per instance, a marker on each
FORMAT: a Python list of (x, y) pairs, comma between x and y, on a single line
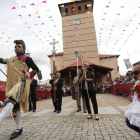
[(15, 134)]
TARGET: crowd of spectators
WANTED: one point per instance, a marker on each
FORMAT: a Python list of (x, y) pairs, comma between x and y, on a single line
[(66, 89), (43, 88), (105, 87)]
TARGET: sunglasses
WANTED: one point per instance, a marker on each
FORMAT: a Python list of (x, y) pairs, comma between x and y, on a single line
[(135, 72)]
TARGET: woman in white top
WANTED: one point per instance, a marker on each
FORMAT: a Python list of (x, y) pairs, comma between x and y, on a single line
[(133, 113)]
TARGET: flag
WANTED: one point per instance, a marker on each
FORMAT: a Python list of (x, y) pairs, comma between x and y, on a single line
[(88, 12), (107, 6), (20, 15), (36, 12), (33, 32), (73, 9), (23, 6), (44, 2), (38, 17), (14, 8), (29, 15), (32, 4), (88, 5), (72, 0), (42, 24), (50, 17), (118, 14)]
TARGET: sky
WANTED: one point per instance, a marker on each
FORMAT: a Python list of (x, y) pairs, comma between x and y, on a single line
[(117, 25)]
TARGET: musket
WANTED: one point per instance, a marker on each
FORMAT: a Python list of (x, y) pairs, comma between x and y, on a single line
[(3, 73)]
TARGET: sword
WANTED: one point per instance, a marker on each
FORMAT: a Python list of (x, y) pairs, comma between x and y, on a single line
[(3, 73)]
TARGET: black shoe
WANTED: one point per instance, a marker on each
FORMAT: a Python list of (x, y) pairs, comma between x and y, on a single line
[(16, 134), (55, 111), (29, 110), (58, 111), (34, 110)]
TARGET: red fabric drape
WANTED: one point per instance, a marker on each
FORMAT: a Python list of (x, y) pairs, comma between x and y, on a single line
[(122, 88), (43, 94), (39, 94), (2, 95)]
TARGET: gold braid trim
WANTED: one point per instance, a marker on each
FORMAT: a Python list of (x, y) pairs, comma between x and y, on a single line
[(15, 110), (12, 101)]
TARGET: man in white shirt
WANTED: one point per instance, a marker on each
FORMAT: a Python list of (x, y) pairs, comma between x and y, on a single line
[(78, 91)]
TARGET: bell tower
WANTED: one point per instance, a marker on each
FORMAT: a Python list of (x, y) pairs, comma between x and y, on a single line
[(79, 31)]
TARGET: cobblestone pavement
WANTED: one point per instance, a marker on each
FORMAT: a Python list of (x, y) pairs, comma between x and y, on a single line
[(44, 124)]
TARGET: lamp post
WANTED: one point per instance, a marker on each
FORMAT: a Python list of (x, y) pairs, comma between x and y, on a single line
[(53, 53), (77, 56)]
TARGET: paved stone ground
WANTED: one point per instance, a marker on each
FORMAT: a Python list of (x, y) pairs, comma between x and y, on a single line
[(70, 125)]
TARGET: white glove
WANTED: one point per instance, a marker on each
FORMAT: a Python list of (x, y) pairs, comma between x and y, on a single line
[(27, 74)]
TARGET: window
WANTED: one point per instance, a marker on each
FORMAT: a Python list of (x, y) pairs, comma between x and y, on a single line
[(86, 6), (66, 10), (72, 9), (79, 8)]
